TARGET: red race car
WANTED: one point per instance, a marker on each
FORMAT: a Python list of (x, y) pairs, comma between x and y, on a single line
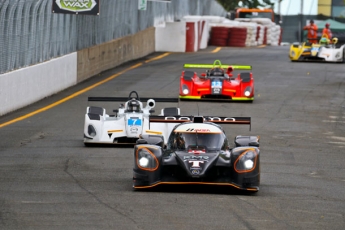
[(217, 83)]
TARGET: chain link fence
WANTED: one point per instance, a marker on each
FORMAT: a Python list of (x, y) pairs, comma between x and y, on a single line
[(30, 33)]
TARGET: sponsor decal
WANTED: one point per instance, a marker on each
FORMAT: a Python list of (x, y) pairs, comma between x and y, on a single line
[(192, 157), (197, 130), (195, 172), (325, 54), (133, 129), (177, 118), (208, 118), (195, 164), (76, 6), (196, 151), (221, 119)]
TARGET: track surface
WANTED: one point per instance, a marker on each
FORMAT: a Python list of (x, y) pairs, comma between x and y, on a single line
[(49, 180)]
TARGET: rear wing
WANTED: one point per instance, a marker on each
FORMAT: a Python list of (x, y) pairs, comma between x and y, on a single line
[(201, 119), (218, 64), (124, 99)]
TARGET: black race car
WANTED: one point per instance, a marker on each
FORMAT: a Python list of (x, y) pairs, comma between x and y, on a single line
[(197, 152)]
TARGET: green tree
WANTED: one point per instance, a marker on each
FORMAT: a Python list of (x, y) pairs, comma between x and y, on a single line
[(233, 4)]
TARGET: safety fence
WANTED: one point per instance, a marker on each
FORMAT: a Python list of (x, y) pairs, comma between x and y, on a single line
[(31, 33)]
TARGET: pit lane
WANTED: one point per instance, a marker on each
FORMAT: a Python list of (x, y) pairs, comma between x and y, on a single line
[(49, 180)]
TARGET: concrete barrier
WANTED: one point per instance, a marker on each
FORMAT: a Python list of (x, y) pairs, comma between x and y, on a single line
[(171, 38), (25, 86), (94, 60), (187, 35)]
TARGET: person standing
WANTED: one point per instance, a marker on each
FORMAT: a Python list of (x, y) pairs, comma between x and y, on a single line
[(327, 31), (312, 32)]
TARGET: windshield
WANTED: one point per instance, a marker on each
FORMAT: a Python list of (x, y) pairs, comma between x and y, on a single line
[(255, 15), (184, 140)]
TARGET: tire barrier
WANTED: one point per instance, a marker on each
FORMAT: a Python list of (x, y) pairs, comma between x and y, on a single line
[(245, 35), (237, 37), (219, 36)]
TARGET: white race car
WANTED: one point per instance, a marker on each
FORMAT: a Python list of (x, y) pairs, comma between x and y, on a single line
[(129, 121)]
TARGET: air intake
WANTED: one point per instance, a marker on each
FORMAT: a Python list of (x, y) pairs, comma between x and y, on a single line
[(198, 119)]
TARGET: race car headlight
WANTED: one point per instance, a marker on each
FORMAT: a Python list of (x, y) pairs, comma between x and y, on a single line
[(185, 89), (337, 55), (293, 53), (248, 91), (91, 131), (246, 162), (146, 160)]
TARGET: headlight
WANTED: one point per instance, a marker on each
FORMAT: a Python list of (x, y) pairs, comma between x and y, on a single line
[(91, 131), (293, 53), (185, 90), (337, 55), (247, 91), (246, 162), (146, 160)]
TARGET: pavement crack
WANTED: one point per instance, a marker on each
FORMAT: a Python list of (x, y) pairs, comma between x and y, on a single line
[(66, 170)]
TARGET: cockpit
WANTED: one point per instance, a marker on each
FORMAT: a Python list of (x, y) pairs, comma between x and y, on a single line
[(133, 106), (216, 72), (186, 140)]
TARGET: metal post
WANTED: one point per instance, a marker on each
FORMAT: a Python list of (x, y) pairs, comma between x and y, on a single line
[(301, 23), (279, 13)]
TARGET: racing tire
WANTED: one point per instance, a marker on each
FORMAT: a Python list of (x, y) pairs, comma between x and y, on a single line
[(88, 144)]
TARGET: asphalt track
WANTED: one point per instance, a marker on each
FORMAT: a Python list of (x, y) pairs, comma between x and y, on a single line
[(49, 180)]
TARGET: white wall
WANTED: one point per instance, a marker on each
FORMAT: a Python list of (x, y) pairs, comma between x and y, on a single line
[(171, 38), (25, 86)]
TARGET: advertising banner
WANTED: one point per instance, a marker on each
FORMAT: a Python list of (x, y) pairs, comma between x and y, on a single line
[(90, 7)]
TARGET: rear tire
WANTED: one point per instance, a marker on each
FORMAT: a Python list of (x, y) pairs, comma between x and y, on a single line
[(88, 144)]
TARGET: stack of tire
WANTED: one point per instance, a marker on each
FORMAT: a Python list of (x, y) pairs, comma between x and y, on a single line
[(219, 36), (237, 37)]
